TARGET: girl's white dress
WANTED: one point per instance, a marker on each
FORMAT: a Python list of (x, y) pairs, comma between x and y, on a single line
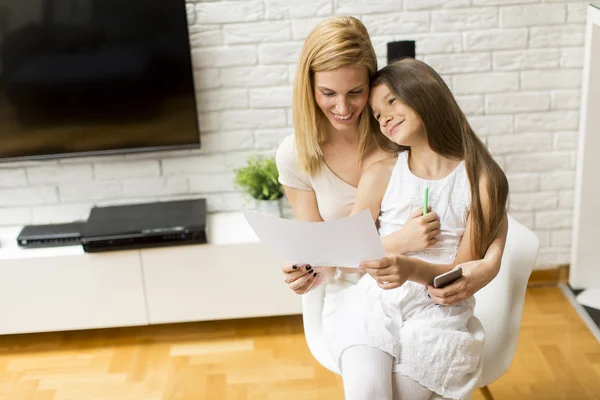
[(430, 343)]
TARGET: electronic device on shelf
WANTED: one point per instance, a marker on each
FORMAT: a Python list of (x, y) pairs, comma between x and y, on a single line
[(50, 235), (135, 226)]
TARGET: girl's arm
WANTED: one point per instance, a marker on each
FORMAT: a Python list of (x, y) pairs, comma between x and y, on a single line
[(392, 271)]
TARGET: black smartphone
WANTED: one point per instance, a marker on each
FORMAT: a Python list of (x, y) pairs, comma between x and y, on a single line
[(447, 278)]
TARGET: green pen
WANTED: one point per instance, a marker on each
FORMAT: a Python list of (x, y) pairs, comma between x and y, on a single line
[(425, 200)]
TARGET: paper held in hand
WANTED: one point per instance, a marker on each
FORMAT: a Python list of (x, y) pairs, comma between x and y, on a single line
[(343, 242)]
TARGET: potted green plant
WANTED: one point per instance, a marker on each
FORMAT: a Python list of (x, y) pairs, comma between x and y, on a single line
[(259, 178)]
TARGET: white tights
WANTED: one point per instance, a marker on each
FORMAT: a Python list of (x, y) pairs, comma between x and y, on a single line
[(366, 372)]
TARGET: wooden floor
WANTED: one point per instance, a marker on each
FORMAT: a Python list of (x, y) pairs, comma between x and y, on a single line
[(557, 358)]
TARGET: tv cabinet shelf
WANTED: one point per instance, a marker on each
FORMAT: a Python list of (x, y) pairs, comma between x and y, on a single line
[(64, 288)]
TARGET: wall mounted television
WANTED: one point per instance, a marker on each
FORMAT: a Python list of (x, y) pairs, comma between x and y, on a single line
[(88, 77)]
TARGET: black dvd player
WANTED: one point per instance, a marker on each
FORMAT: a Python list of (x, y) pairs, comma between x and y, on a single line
[(136, 226), (50, 235)]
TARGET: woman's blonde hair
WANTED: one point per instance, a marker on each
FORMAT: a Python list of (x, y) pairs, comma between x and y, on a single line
[(334, 43)]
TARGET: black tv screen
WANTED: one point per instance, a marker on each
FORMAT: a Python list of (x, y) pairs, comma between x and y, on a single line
[(83, 77)]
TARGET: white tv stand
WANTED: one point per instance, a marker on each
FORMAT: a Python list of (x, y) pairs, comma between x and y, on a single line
[(64, 288)]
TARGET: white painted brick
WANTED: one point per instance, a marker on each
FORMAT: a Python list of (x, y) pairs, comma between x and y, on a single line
[(285, 9), (523, 182), (12, 177), (538, 201), (544, 238), (551, 79), (471, 105), (205, 35), (93, 190), (434, 4), (301, 28), (526, 59), (59, 174), (485, 83), (126, 170), (209, 122), (363, 7), (549, 257), (14, 216), (380, 45), (193, 165), (566, 140), (463, 20), (485, 125), (61, 213), (397, 23), (190, 10), (436, 43), (290, 117), (552, 36), (227, 141), (566, 199), (577, 12), (253, 119), (566, 99), (558, 180), (27, 196), (271, 138), (537, 162), (501, 2), (520, 143), (240, 159), (212, 183), (554, 219), (229, 11), (561, 237), (495, 39), (161, 186), (571, 57), (292, 73), (222, 99), (273, 97), (526, 218), (547, 121), (224, 56), (509, 103), (460, 63), (532, 15), (256, 32), (258, 76), (207, 78), (279, 53)]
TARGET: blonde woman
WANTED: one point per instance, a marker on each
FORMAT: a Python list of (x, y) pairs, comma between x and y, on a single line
[(336, 139)]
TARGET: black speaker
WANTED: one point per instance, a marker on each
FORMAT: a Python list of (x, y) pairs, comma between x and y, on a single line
[(400, 49)]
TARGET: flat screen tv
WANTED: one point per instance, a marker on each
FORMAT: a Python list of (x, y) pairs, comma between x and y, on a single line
[(87, 77)]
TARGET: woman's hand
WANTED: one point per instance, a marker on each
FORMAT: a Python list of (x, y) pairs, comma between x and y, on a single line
[(418, 233), (302, 278), (390, 272), (473, 279)]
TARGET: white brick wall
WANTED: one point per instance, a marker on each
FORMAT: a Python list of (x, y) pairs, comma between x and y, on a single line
[(514, 65)]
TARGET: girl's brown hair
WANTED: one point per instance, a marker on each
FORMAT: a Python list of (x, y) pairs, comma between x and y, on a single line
[(418, 86)]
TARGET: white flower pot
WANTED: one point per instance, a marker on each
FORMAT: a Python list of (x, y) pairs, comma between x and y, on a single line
[(269, 207)]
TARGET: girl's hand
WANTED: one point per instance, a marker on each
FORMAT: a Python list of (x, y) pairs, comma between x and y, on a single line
[(390, 272), (302, 278), (462, 288), (418, 233)]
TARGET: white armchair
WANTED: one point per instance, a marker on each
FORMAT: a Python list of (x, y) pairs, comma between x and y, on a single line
[(499, 308)]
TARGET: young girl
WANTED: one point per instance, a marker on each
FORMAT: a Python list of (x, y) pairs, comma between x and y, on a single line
[(422, 347)]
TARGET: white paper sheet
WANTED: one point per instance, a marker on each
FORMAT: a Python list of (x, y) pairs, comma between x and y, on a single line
[(341, 242)]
